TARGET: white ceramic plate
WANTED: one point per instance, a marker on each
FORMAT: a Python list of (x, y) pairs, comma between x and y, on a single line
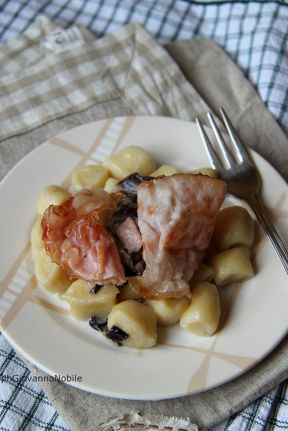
[(37, 325)]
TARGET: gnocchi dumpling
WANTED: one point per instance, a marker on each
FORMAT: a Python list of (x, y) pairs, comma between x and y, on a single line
[(203, 273), (203, 314), (232, 265), (234, 226), (89, 177), (128, 160), (51, 195), (85, 304), (110, 184), (128, 292), (205, 171), (36, 241), (168, 311), (165, 170), (50, 275), (137, 320)]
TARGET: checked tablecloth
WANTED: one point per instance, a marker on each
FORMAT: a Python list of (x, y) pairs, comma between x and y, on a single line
[(254, 34)]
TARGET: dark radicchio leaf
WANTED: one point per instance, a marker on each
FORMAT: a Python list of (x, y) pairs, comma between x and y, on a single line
[(133, 262), (115, 334), (131, 183), (96, 288), (127, 207)]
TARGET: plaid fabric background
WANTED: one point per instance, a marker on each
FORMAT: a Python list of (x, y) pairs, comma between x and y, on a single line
[(255, 35), (36, 412)]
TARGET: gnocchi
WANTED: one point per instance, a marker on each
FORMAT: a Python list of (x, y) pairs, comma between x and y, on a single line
[(126, 314), (137, 320), (36, 239), (128, 292), (85, 303), (51, 195), (203, 273), (110, 184), (168, 311), (205, 171), (128, 160), (48, 274), (234, 227), (89, 177), (165, 170), (232, 265), (203, 314)]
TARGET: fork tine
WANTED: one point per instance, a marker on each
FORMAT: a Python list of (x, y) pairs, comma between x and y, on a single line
[(225, 151), (210, 150), (240, 149)]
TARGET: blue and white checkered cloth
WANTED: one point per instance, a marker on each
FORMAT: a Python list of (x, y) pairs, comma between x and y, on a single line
[(255, 35)]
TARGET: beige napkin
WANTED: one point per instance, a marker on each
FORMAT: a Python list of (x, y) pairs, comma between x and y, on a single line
[(45, 91)]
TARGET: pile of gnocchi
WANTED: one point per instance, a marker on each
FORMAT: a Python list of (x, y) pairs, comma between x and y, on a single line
[(120, 312)]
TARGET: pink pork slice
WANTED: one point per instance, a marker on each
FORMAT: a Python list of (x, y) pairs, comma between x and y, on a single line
[(75, 236), (129, 235), (176, 218)]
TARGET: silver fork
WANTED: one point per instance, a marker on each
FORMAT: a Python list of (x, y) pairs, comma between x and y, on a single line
[(242, 177)]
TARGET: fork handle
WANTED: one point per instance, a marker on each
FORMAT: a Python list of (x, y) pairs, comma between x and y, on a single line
[(264, 218)]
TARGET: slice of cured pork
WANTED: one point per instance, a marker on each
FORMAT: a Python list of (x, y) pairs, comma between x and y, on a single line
[(176, 218), (75, 236)]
